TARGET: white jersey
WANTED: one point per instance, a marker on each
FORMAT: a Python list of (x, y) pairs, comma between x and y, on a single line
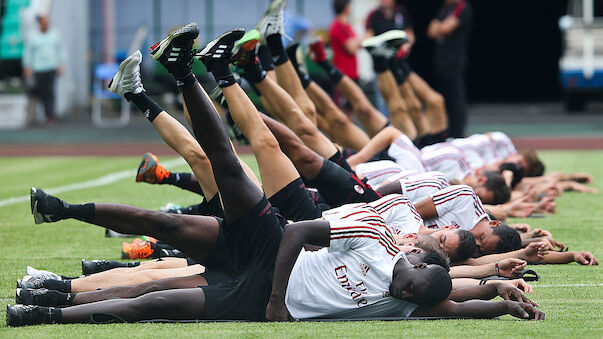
[(406, 154), (376, 172), (448, 160), (394, 211), (422, 185), (457, 206), (470, 152), (504, 145), (485, 147), (355, 271)]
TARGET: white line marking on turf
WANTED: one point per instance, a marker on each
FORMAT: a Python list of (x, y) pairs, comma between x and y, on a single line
[(102, 181), (572, 285)]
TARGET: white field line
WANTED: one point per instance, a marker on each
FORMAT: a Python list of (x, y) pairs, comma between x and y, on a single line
[(569, 285), (102, 181)]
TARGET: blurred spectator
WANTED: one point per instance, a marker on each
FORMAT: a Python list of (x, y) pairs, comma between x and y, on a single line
[(43, 58), (389, 16), (343, 40), (450, 29)]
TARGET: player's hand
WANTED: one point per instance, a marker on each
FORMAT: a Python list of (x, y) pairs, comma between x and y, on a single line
[(535, 251), (511, 267), (521, 227), (541, 232), (524, 310), (276, 310), (585, 258), (509, 292), (555, 244), (583, 178), (520, 208)]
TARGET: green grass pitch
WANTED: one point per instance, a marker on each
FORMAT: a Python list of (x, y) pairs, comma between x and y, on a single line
[(571, 311)]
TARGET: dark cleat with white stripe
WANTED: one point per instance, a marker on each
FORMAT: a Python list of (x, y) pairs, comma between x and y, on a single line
[(220, 48), (175, 51), (44, 207)]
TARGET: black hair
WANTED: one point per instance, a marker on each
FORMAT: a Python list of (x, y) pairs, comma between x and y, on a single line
[(466, 245), (433, 258), (509, 239), (535, 166), (436, 289), (339, 6), (497, 185), (518, 171)]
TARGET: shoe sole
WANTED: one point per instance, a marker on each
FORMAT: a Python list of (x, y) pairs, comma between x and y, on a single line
[(158, 49), (246, 47), (12, 318), (144, 167), (38, 217), (384, 38), (18, 299), (214, 42), (276, 5), (114, 84)]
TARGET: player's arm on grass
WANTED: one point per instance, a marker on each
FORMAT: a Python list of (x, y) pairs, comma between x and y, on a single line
[(508, 268), (489, 291), (516, 283), (534, 252), (583, 258), (315, 232), (480, 309)]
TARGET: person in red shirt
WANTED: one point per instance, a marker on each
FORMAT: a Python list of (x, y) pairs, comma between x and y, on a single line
[(344, 41)]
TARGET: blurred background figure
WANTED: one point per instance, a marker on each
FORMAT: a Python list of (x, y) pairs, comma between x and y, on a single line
[(450, 29), (344, 41), (43, 60), (389, 16)]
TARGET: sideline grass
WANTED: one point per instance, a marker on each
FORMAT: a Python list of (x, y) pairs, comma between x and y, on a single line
[(570, 311)]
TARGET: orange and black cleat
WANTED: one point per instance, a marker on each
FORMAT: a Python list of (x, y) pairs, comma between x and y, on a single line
[(138, 249), (150, 170)]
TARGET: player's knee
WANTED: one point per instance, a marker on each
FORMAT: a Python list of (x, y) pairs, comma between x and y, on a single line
[(364, 110), (435, 99), (265, 143)]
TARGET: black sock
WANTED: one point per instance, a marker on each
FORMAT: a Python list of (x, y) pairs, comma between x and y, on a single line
[(275, 43), (380, 64), (254, 72), (68, 278), (304, 78), (83, 212), (58, 285), (221, 72), (334, 74), (146, 105), (399, 73), (340, 160), (265, 58), (56, 298)]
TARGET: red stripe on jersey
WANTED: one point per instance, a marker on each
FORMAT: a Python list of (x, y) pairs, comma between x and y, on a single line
[(387, 236), (458, 195), (439, 195), (389, 251)]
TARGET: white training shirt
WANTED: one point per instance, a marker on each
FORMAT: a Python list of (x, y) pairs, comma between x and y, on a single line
[(470, 152), (448, 160), (394, 211), (504, 145), (419, 186), (457, 206), (406, 154), (376, 172), (485, 147), (355, 271)]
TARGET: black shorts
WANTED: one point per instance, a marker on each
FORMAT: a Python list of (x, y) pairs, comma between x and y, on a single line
[(338, 186), (219, 256), (253, 242), (382, 155), (340, 160), (210, 207), (295, 203)]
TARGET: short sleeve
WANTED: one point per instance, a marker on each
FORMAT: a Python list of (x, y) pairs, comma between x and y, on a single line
[(352, 235), (460, 204)]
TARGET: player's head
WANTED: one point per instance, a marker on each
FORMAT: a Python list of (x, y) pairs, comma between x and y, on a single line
[(497, 238), (341, 6), (387, 3), (429, 258), (43, 22), (420, 283), (491, 188), (458, 244), (529, 161)]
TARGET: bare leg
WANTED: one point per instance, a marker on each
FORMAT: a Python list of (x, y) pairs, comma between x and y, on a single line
[(398, 111), (342, 130), (135, 291), (287, 110), (378, 143), (288, 80), (164, 263), (192, 234), (276, 169), (433, 101), (180, 304), (415, 109), (96, 281), (372, 120)]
